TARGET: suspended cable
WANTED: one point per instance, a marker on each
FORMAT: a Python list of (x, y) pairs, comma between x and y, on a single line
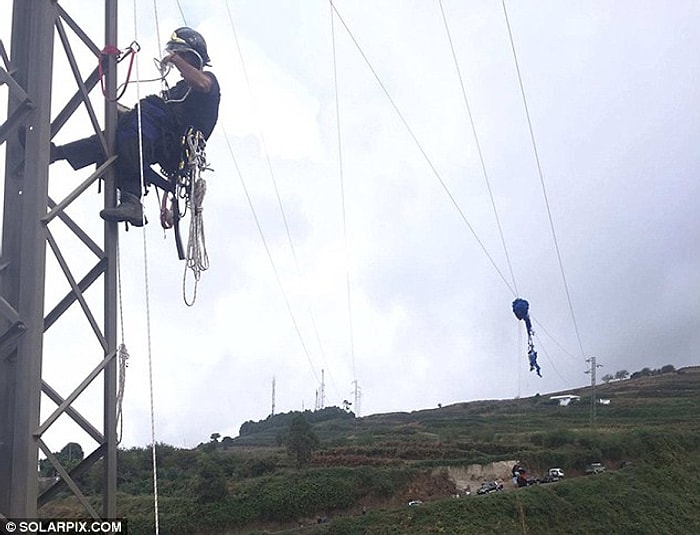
[(323, 354), (269, 254), (146, 283), (424, 154), (277, 194), (182, 13), (478, 148), (485, 173), (262, 138), (156, 21), (541, 176), (341, 174), (556, 342), (542, 349)]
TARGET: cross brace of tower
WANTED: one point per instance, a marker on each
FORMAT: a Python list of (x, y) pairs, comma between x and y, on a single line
[(33, 220)]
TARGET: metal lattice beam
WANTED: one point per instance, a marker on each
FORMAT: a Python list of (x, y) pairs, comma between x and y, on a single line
[(28, 217)]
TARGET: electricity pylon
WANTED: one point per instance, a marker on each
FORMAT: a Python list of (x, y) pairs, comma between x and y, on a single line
[(594, 400), (31, 221)]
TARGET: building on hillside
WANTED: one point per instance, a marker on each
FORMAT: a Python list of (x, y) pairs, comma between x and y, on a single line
[(565, 400)]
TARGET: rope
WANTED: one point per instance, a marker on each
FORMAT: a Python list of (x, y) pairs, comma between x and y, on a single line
[(147, 291), (196, 259), (122, 355)]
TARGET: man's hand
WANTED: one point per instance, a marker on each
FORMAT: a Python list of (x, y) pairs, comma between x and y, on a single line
[(166, 59), (192, 75)]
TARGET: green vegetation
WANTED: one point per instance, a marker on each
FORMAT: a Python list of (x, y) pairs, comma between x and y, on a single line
[(364, 472)]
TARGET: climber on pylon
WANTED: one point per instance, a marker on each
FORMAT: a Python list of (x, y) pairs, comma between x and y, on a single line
[(192, 103)]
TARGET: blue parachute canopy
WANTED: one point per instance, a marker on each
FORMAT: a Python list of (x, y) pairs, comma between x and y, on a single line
[(521, 308)]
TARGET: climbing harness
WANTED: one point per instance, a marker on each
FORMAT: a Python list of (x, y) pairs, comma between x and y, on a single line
[(184, 192), (111, 50), (521, 309)]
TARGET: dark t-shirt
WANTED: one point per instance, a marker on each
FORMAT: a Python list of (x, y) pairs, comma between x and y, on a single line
[(194, 108)]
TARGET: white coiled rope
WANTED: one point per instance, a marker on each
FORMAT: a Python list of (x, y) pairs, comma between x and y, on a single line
[(196, 257)]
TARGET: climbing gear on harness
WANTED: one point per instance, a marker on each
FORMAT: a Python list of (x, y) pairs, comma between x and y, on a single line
[(128, 210), (521, 309), (184, 192)]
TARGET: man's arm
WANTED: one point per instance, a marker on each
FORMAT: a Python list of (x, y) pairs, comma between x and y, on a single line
[(197, 79)]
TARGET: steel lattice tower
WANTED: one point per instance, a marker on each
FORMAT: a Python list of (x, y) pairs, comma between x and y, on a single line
[(30, 218)]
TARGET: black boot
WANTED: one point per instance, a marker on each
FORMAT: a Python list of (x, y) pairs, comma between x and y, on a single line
[(128, 210)]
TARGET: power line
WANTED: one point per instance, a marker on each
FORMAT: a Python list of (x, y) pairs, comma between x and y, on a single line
[(277, 194), (541, 175), (269, 255), (478, 148), (423, 153), (262, 139), (342, 195)]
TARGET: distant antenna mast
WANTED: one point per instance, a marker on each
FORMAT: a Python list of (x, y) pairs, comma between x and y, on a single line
[(592, 370), (273, 396), (323, 388), (320, 401), (357, 392)]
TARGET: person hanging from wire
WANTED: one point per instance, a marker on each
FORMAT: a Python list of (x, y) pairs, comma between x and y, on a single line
[(192, 102), (521, 309), (532, 357)]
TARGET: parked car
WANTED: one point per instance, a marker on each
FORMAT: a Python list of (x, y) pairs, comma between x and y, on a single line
[(595, 468), (556, 472), (490, 486), (524, 480)]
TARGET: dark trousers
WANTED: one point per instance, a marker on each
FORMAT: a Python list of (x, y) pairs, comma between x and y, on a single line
[(160, 144)]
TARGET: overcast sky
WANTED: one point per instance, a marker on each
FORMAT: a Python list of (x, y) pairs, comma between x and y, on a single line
[(410, 294)]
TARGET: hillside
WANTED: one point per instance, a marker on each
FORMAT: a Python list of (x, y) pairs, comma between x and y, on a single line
[(366, 470)]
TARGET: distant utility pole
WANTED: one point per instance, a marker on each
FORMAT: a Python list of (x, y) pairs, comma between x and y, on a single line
[(591, 371), (357, 392), (273, 396)]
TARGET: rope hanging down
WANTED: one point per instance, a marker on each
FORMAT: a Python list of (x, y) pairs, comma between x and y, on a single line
[(197, 259), (192, 187), (521, 310), (123, 357)]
